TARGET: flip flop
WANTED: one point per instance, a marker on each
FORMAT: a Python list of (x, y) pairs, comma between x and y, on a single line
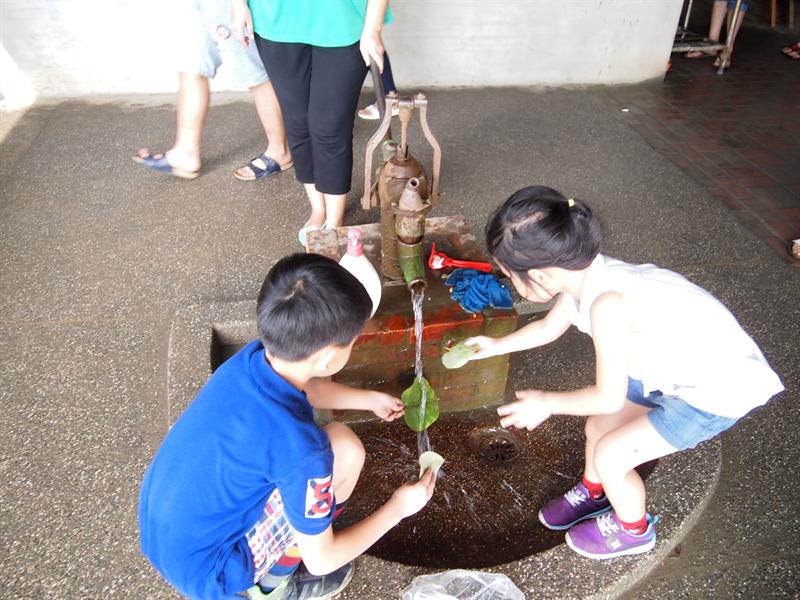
[(302, 235), (700, 54), (272, 168), (158, 162), (793, 49)]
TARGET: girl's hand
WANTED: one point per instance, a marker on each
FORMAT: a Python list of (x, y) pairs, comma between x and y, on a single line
[(412, 497), (241, 21), (371, 47), (529, 411), (386, 407), (486, 344)]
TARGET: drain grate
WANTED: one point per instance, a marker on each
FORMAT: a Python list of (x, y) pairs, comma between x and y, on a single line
[(496, 444)]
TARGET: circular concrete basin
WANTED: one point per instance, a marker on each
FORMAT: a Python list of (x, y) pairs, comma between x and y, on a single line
[(484, 511)]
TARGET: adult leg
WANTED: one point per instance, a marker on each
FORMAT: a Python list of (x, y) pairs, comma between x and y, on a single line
[(371, 112), (271, 117), (615, 456), (336, 80), (290, 73), (387, 76), (348, 459), (718, 12), (193, 100), (733, 33)]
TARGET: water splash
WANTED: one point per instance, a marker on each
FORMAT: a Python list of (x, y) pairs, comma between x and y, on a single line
[(417, 297)]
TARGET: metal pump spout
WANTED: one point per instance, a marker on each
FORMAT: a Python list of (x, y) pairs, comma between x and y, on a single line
[(409, 223)]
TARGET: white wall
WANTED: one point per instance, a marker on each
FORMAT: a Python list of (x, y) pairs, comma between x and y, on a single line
[(78, 47)]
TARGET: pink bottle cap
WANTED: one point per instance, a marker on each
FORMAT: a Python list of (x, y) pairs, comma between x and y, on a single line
[(354, 245)]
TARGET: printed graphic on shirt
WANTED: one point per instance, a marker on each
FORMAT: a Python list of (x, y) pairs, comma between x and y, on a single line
[(319, 497)]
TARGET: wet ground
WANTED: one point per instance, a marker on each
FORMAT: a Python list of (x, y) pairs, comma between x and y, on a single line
[(484, 510)]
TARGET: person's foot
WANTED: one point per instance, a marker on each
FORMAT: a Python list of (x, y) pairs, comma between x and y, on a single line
[(170, 162), (701, 53), (311, 225), (371, 112), (794, 49), (719, 61), (573, 507), (302, 585), (794, 248), (263, 166), (604, 537), (322, 587)]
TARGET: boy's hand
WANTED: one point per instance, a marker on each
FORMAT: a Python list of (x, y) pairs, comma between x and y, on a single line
[(412, 497), (386, 407), (529, 411), (486, 345)]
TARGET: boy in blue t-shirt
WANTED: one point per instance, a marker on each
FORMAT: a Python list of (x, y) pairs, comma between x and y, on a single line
[(245, 484)]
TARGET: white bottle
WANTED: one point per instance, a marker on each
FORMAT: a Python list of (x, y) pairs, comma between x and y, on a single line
[(360, 266)]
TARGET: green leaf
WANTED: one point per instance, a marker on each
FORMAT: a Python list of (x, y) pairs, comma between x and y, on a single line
[(412, 400)]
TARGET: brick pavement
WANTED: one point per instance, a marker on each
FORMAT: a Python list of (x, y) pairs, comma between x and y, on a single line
[(737, 134)]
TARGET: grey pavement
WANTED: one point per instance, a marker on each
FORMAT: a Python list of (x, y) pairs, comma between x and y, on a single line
[(97, 255)]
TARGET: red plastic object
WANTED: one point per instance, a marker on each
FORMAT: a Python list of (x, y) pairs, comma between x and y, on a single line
[(439, 260)]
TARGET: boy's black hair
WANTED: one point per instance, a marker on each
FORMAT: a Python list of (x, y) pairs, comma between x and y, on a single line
[(307, 302), (537, 227)]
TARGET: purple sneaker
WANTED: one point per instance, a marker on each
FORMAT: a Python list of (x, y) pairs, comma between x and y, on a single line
[(604, 537), (573, 507)]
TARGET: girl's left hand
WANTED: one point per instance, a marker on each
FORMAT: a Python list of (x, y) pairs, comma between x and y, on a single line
[(386, 407), (529, 411), (371, 47)]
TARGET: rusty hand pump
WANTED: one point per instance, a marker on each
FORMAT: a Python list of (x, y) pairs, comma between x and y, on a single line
[(402, 188)]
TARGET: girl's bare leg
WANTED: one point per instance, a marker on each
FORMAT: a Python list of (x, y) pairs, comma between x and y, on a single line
[(599, 425), (615, 456)]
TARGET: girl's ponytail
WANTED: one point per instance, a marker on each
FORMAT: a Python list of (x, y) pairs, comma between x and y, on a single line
[(537, 227)]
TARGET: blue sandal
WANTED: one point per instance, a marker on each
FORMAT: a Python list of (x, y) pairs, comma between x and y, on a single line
[(158, 162), (272, 168)]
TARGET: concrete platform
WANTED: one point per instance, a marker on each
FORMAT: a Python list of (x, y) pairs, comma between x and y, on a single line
[(97, 256)]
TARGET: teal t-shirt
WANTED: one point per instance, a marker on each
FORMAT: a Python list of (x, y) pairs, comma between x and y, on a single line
[(329, 23)]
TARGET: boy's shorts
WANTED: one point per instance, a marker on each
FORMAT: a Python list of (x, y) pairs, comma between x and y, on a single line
[(206, 40), (680, 424), (271, 540)]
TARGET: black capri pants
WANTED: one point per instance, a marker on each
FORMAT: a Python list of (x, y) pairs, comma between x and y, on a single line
[(318, 89)]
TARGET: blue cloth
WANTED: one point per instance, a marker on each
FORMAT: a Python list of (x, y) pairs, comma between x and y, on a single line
[(474, 290), (248, 432)]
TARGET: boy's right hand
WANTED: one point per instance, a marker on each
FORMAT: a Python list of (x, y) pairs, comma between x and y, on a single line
[(410, 498), (486, 344)]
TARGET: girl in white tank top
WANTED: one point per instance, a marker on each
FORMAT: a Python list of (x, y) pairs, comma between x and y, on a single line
[(674, 367)]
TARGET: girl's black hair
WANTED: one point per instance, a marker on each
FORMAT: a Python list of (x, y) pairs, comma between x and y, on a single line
[(308, 302), (537, 228)]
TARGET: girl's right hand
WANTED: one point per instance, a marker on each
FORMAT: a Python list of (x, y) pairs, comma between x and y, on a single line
[(412, 497), (487, 345)]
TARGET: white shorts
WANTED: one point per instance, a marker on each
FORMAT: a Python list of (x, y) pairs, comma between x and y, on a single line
[(205, 41)]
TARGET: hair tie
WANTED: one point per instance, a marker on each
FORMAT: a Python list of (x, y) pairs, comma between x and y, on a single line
[(570, 202)]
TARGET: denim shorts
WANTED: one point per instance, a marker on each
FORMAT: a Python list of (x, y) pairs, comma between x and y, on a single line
[(742, 9), (205, 41), (680, 424)]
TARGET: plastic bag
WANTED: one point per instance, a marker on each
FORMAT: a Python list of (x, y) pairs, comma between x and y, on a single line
[(460, 584)]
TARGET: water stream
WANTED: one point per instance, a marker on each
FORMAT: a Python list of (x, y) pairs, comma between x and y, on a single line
[(417, 297)]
